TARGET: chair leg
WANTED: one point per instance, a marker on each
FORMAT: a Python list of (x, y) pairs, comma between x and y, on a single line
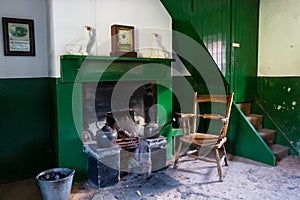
[(218, 164), (198, 149), (225, 155), (177, 155)]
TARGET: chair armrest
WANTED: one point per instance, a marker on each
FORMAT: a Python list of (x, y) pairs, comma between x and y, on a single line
[(185, 115), (211, 116), (225, 120)]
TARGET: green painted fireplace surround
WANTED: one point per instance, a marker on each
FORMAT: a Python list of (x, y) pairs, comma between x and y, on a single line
[(67, 101)]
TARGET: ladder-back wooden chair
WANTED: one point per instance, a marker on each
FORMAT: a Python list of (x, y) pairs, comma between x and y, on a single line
[(218, 108)]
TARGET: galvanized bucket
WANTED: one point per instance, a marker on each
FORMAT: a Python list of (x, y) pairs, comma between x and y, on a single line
[(56, 183)]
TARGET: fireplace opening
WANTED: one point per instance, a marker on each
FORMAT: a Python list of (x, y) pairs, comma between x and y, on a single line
[(133, 105)]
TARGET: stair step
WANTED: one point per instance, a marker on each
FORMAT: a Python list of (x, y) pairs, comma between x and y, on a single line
[(268, 135), (245, 108), (255, 120), (280, 151)]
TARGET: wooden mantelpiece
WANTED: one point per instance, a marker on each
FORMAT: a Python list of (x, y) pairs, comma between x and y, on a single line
[(91, 68)]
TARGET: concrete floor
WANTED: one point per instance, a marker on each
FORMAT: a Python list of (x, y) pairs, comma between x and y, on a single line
[(243, 179)]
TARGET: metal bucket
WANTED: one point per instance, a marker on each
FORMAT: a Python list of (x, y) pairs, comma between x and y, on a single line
[(58, 187)]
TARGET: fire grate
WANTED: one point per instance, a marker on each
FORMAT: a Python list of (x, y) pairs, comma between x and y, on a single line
[(129, 143)]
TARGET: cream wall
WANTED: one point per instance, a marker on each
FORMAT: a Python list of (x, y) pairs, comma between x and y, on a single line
[(67, 17), (279, 38)]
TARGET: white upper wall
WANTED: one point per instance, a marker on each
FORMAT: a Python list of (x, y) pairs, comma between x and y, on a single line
[(69, 16), (59, 22), (279, 38), (25, 66)]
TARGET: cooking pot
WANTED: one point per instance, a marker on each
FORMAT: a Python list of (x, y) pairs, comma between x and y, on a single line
[(106, 137)]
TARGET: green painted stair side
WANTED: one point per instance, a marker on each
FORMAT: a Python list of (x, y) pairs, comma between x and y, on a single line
[(244, 141)]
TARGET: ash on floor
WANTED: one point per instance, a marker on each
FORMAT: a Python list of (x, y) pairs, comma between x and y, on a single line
[(243, 179), (194, 180)]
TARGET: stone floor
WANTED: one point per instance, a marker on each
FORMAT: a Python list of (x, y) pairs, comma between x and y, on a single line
[(243, 179)]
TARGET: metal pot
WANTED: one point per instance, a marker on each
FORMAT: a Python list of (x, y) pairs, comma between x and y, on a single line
[(106, 137), (151, 130)]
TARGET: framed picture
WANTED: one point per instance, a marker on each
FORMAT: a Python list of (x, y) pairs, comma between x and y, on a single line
[(18, 36)]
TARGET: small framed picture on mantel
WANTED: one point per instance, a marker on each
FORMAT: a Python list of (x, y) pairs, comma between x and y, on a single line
[(18, 37)]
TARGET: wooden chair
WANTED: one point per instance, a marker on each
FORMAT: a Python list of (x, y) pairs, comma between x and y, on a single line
[(209, 141)]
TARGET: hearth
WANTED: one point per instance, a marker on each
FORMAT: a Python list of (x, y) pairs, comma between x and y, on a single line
[(105, 165)]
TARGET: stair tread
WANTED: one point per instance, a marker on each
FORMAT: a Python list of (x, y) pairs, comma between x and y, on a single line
[(265, 131), (267, 134), (278, 148), (245, 107), (256, 120), (280, 151), (254, 115)]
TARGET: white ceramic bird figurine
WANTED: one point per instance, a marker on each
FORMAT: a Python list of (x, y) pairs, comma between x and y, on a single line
[(79, 47)]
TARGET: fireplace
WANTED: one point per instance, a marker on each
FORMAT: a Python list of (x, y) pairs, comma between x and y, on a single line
[(84, 78), (97, 100)]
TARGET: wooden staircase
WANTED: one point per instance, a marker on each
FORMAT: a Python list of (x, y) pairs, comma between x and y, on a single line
[(266, 134)]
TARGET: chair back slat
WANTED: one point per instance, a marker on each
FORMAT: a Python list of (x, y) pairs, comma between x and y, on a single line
[(212, 98), (222, 99), (195, 112), (186, 123)]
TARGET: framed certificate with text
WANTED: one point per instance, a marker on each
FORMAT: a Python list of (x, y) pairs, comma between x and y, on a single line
[(18, 37)]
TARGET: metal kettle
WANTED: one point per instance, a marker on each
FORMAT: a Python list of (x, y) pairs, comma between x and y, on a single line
[(151, 130)]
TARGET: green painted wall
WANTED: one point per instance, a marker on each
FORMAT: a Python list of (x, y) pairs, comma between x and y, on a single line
[(216, 25), (279, 99), (212, 20), (25, 139), (243, 69)]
